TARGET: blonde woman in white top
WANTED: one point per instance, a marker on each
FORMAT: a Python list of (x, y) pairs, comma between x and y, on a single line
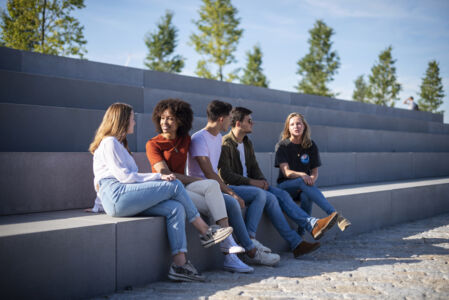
[(124, 192)]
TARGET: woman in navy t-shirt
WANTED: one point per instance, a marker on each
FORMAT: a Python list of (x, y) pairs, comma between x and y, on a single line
[(298, 159)]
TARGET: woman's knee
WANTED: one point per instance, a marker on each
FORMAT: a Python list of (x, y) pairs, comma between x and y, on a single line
[(176, 211)]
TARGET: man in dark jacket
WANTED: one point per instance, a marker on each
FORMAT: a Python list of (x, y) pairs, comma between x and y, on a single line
[(239, 169)]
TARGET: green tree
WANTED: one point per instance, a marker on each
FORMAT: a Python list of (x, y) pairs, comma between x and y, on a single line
[(253, 72), (432, 93), (217, 38), (44, 26), (383, 88), (161, 45), (319, 66), (360, 90)]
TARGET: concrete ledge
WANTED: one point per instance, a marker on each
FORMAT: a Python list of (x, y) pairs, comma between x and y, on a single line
[(51, 65), (39, 259), (62, 258), (22, 61), (348, 168), (25, 88), (47, 128), (37, 181)]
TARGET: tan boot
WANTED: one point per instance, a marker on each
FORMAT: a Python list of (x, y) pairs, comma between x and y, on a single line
[(324, 224)]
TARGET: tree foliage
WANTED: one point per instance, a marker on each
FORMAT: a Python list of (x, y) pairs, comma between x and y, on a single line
[(383, 87), (361, 88), (432, 93), (161, 44), (217, 38), (253, 72), (44, 26), (319, 66)]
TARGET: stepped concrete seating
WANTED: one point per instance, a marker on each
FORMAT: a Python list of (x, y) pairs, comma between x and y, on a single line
[(381, 166), (47, 90), (52, 128), (35, 63)]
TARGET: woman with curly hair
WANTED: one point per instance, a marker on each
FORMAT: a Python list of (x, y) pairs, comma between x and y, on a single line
[(125, 192), (298, 159), (167, 154)]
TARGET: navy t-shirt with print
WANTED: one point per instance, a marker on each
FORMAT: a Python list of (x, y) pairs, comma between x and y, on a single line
[(298, 158)]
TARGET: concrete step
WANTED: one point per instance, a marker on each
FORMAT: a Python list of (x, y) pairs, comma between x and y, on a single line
[(277, 112), (38, 181), (47, 90), (31, 128), (28, 62), (348, 168), (59, 129), (72, 254), (26, 88), (77, 255)]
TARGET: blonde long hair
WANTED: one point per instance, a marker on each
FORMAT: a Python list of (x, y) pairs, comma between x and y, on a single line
[(115, 123), (306, 141)]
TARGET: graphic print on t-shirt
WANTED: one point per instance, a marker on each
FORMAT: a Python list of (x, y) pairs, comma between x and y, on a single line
[(305, 159)]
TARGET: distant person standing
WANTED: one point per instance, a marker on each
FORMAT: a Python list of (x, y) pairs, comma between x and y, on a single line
[(411, 103)]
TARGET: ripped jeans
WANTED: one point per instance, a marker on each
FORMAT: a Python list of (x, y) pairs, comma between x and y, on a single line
[(151, 198)]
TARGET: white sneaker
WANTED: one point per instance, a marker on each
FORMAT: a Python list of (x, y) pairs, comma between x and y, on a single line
[(262, 258), (230, 246), (233, 264), (260, 246)]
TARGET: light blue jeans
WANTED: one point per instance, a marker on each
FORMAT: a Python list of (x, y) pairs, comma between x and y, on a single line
[(152, 198), (236, 221), (309, 195), (274, 211)]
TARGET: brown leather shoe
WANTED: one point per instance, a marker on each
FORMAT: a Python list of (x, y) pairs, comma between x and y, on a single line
[(305, 247), (324, 224)]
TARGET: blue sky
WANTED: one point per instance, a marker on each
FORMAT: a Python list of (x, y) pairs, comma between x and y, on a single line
[(417, 30)]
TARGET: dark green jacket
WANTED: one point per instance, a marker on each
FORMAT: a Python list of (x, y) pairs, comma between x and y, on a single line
[(230, 167)]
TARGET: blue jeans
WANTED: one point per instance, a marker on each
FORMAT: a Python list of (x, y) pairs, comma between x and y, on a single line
[(297, 214), (236, 221), (273, 211), (255, 204), (309, 194), (158, 198)]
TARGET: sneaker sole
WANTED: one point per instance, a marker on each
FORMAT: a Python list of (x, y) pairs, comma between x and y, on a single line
[(233, 250), (328, 226), (185, 278), (232, 270), (218, 238)]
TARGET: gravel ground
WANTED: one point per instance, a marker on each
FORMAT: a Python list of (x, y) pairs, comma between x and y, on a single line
[(408, 261)]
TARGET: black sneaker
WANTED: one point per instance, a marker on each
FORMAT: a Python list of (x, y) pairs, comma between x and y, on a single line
[(186, 272), (214, 235)]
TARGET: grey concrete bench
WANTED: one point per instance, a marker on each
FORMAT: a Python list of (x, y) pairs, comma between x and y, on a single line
[(73, 254)]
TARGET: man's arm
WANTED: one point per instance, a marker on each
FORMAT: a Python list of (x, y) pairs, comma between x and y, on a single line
[(209, 172), (161, 167)]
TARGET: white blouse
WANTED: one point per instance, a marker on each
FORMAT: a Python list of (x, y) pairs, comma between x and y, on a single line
[(112, 160)]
